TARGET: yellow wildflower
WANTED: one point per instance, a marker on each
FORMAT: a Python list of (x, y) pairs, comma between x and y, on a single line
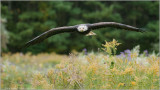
[(93, 67), (89, 60), (2, 85), (133, 83), (130, 63), (136, 78), (93, 78), (20, 79), (115, 42), (60, 66), (152, 87), (13, 86), (133, 55), (106, 86), (110, 47), (103, 86), (155, 69), (48, 86), (60, 74), (38, 76), (50, 73), (114, 70), (121, 84), (128, 70)]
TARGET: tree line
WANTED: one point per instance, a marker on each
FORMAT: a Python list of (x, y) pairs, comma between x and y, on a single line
[(24, 20)]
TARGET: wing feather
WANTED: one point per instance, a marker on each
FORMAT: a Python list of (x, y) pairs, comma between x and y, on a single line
[(115, 25), (49, 33)]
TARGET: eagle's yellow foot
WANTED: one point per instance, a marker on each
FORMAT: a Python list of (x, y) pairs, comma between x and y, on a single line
[(90, 33)]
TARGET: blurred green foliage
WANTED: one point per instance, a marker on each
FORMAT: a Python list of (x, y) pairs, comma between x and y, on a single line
[(26, 20)]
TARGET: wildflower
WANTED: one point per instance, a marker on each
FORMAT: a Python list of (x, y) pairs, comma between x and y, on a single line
[(38, 76), (111, 47), (155, 69), (136, 78), (128, 70), (145, 52), (20, 79), (89, 60), (85, 51), (114, 70), (106, 86), (115, 42), (60, 74), (152, 86), (133, 83), (60, 66), (48, 86), (93, 68), (2, 84), (13, 86), (121, 54), (121, 84), (103, 86), (127, 51), (50, 73), (93, 78)]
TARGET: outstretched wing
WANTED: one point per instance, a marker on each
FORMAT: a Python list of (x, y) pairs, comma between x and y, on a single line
[(49, 33), (115, 25)]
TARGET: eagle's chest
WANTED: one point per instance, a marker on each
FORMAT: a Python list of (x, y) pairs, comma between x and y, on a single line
[(82, 28)]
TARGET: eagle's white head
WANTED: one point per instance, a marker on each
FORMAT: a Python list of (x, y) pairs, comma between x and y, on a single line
[(82, 28)]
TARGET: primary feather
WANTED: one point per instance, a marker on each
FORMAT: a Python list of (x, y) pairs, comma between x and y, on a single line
[(115, 25), (49, 33)]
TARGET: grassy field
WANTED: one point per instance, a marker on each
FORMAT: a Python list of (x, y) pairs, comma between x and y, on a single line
[(129, 70)]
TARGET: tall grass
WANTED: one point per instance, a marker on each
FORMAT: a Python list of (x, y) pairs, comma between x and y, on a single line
[(129, 70)]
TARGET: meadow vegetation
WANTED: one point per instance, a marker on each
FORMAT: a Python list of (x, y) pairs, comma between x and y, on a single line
[(129, 70)]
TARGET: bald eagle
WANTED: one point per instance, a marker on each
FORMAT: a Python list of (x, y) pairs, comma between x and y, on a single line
[(82, 29)]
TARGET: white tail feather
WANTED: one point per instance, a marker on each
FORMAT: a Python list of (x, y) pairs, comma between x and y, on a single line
[(90, 33)]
